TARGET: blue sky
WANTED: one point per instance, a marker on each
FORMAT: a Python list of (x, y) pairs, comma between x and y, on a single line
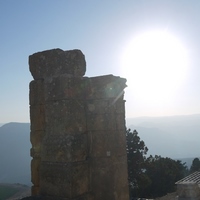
[(102, 30)]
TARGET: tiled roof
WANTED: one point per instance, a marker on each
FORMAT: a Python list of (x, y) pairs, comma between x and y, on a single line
[(191, 179)]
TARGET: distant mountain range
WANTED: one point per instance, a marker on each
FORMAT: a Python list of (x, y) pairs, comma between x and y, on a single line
[(174, 136), (177, 137)]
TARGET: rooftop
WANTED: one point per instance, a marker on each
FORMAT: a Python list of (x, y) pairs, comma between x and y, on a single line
[(193, 178)]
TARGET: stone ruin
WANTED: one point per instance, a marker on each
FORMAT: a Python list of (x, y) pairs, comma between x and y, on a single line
[(77, 130)]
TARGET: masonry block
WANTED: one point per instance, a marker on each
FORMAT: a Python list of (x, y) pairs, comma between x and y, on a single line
[(35, 190), (66, 87), (56, 62), (69, 180), (119, 106), (65, 116), (36, 138), (98, 107), (101, 122), (106, 87), (37, 113), (121, 190), (36, 141), (36, 95), (100, 145), (111, 172), (64, 147), (119, 137), (120, 121)]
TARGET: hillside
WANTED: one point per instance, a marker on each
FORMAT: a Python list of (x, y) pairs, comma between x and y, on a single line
[(14, 153), (174, 137), (14, 191)]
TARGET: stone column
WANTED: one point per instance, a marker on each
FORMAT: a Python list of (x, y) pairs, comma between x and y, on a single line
[(77, 130), (106, 132)]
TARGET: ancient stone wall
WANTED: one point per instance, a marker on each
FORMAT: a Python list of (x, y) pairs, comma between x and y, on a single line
[(77, 130), (188, 191)]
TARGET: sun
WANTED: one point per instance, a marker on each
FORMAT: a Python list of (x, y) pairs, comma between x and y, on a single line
[(155, 65)]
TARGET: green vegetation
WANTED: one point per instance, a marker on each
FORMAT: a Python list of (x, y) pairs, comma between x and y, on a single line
[(7, 191), (150, 177), (195, 165)]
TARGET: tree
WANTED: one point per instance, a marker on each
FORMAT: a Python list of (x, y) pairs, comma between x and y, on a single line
[(153, 176), (163, 173), (195, 165), (136, 151)]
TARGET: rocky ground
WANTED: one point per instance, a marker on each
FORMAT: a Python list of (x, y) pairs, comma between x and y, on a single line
[(170, 196)]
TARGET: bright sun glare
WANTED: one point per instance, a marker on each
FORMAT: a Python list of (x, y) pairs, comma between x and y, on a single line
[(155, 65)]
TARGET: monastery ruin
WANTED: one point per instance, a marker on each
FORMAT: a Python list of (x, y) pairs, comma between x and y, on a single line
[(77, 130)]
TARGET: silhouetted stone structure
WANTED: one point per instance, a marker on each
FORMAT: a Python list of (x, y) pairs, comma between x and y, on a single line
[(77, 130)]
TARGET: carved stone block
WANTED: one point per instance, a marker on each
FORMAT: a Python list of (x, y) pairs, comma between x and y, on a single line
[(56, 62)]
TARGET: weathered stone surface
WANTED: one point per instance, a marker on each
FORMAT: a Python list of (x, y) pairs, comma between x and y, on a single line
[(112, 173), (101, 122), (35, 191), (105, 106), (36, 138), (36, 95), (56, 62), (37, 118), (121, 190), (68, 180), (119, 106), (67, 116), (35, 152), (36, 141), (188, 191), (120, 122), (101, 144), (35, 167), (106, 87), (98, 107), (65, 87), (64, 148)]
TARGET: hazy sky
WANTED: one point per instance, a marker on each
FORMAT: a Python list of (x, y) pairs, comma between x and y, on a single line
[(103, 30)]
